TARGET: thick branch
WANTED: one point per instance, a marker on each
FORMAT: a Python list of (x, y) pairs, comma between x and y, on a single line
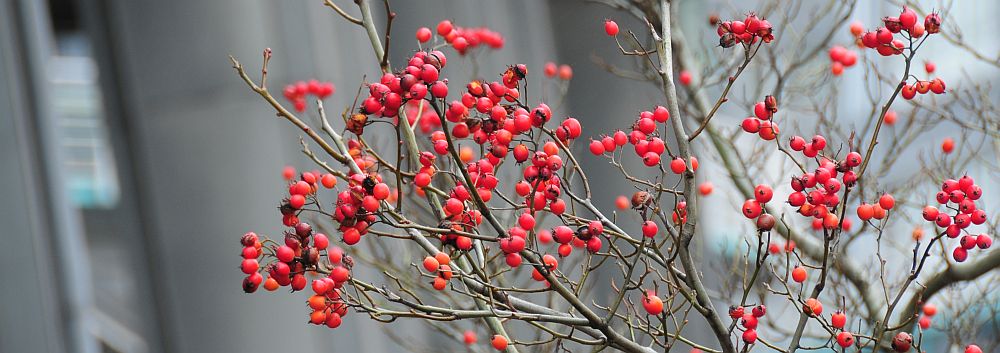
[(693, 279)]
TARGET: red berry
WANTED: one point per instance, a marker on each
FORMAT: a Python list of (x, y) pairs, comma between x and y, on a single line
[(886, 201), (751, 125), (444, 28), (902, 342), (297, 201), (596, 147), (761, 112), (845, 339), (818, 142), (550, 69), (320, 241), (924, 322), (499, 342), (249, 266), (685, 78), (443, 258), (856, 28), (652, 303), (947, 145), (908, 18), (984, 241), (799, 274), (649, 229), (352, 236), (763, 193), (883, 35), (677, 165), (285, 254), (865, 211), (838, 320), (932, 23), (469, 337), (837, 69), (431, 264), (930, 309), (652, 159), (813, 307), (736, 312), (960, 254), (705, 188), (565, 72), (611, 28), (661, 114), (333, 320), (288, 172), (423, 34), (751, 209)]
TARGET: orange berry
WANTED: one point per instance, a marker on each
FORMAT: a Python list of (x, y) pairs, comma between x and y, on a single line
[(442, 258), (621, 202), (317, 302), (799, 274), (328, 181), (431, 264), (948, 145), (499, 342), (270, 284), (440, 283)]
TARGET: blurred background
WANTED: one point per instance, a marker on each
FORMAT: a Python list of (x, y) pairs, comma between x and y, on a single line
[(132, 157)]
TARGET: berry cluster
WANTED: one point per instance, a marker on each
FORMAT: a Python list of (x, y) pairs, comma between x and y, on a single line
[(761, 123), (838, 321), (645, 140), (754, 208), (841, 57), (420, 76), (909, 91), (462, 39), (357, 205), (748, 320), (929, 310), (680, 215), (876, 210), (300, 191), (251, 252), (551, 70), (297, 92), (439, 264), (541, 185), (300, 253), (824, 182), (588, 236), (960, 195), (327, 305), (883, 39), (744, 32)]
